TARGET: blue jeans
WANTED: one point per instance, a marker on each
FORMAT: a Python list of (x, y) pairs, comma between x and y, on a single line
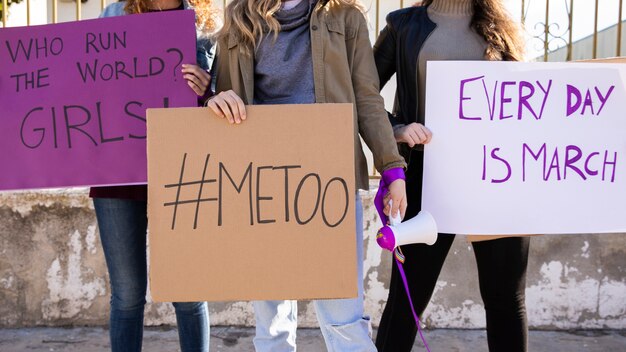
[(343, 323), (123, 224)]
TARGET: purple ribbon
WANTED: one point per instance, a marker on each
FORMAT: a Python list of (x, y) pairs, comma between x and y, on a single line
[(408, 294), (388, 176)]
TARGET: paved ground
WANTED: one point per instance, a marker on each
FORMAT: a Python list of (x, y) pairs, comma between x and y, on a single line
[(229, 339)]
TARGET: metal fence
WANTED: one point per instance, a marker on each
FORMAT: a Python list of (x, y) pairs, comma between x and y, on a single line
[(55, 7), (549, 34), (549, 31)]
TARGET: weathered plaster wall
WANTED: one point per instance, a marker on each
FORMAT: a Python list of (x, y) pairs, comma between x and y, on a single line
[(52, 273)]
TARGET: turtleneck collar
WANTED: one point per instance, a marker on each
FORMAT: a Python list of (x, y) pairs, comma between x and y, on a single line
[(452, 7), (296, 16)]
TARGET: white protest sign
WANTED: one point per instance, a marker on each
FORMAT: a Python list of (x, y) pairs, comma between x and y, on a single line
[(523, 148)]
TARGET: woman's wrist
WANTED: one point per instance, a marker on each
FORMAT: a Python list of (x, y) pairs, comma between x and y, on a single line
[(204, 100), (397, 127), (393, 174)]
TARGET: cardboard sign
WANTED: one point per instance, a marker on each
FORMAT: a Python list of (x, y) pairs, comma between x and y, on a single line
[(73, 97), (257, 211), (523, 148)]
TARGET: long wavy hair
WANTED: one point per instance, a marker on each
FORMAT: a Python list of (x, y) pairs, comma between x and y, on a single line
[(502, 34), (206, 16), (250, 20)]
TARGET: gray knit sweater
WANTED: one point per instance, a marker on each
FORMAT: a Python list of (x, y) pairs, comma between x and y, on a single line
[(283, 69), (453, 39)]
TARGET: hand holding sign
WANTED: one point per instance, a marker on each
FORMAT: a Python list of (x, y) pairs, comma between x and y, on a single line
[(413, 134), (228, 105), (197, 78)]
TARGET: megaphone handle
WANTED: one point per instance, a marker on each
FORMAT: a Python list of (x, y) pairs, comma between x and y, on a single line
[(397, 255), (394, 220)]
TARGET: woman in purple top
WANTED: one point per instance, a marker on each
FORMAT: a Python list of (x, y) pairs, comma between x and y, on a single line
[(122, 217)]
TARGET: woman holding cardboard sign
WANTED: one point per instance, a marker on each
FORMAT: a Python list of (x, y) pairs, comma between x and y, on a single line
[(447, 30), (122, 217), (299, 52)]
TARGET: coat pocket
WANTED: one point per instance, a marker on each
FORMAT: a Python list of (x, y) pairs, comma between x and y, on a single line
[(341, 28)]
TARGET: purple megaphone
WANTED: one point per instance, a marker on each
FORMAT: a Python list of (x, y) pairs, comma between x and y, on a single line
[(420, 229)]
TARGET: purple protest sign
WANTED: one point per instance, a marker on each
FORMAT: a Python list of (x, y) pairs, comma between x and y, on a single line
[(73, 97)]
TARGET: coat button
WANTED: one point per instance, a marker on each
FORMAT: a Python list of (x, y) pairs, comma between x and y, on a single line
[(314, 27)]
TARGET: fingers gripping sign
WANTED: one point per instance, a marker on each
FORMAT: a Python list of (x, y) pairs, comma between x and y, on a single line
[(197, 78), (413, 134), (228, 105)]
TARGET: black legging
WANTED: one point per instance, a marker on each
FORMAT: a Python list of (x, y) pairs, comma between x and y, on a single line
[(501, 272)]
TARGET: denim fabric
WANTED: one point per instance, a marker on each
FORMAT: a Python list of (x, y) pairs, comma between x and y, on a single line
[(123, 224), (276, 324), (344, 326)]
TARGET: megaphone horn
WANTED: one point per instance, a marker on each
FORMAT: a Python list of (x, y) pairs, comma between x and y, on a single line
[(420, 229)]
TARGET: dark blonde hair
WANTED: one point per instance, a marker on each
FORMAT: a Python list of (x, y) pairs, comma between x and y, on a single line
[(250, 20), (206, 16), (502, 34)]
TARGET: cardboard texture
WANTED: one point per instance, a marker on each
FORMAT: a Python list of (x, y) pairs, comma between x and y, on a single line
[(275, 218), (73, 97)]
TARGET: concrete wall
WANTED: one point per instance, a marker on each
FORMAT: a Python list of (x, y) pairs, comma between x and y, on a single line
[(52, 273)]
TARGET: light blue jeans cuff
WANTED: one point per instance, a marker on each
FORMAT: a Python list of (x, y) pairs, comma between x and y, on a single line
[(343, 323)]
